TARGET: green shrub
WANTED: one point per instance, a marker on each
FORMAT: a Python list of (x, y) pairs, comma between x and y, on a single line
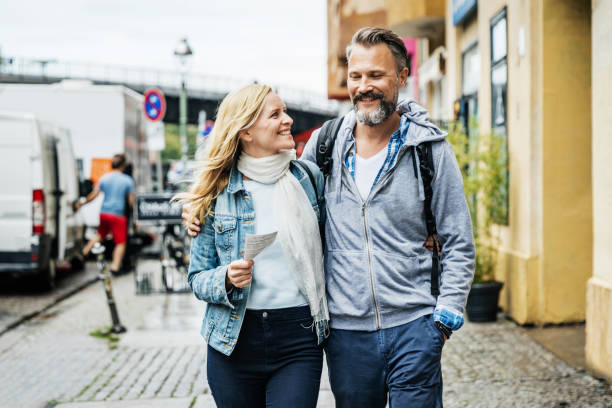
[(483, 165)]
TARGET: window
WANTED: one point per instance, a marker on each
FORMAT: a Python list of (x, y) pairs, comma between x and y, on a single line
[(471, 71), (499, 72), (499, 86), (470, 83)]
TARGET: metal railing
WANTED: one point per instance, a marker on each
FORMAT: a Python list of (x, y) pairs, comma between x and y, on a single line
[(148, 77)]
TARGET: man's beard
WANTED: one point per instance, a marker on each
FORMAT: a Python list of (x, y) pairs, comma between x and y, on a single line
[(378, 115)]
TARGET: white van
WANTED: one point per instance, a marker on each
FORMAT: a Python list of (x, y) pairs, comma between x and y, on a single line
[(102, 119), (39, 182)]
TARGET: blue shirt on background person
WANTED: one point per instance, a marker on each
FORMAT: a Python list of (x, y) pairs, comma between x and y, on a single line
[(115, 186)]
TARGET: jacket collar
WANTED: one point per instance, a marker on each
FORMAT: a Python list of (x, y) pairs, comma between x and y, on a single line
[(348, 125), (236, 183), (411, 112)]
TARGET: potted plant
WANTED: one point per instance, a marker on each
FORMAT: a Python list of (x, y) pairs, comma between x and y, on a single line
[(483, 167)]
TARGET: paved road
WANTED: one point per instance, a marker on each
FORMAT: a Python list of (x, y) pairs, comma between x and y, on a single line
[(160, 361), (20, 299)]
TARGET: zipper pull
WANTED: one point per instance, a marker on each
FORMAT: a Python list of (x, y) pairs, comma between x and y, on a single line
[(363, 210)]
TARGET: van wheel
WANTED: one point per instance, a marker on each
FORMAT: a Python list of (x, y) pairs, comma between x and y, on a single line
[(46, 277)]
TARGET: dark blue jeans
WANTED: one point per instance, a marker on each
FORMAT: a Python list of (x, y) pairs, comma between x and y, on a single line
[(276, 362), (403, 362)]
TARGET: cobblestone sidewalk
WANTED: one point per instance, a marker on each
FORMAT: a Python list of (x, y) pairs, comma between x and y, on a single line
[(160, 362)]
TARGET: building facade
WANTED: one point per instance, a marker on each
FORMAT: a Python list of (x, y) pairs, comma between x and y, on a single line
[(524, 69), (599, 289)]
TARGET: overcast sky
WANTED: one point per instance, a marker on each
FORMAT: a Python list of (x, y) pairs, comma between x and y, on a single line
[(281, 42)]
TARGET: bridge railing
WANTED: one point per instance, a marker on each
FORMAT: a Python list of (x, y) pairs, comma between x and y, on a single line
[(148, 77)]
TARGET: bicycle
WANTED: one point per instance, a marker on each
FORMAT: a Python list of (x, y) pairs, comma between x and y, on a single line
[(175, 259)]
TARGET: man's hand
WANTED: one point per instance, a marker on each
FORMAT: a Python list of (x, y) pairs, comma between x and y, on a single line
[(429, 244), (239, 273), (191, 223)]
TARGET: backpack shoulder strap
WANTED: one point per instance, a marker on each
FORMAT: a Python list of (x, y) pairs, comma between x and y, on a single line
[(306, 170), (426, 166), (325, 144), (320, 201), (427, 172)]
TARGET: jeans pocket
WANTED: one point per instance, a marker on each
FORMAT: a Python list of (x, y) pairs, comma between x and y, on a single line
[(436, 333)]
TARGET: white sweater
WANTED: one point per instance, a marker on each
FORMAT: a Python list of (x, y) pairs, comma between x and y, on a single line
[(273, 286)]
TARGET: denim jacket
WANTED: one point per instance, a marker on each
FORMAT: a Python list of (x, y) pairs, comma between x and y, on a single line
[(220, 242)]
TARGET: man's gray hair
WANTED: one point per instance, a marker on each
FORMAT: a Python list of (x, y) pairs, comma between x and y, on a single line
[(370, 36)]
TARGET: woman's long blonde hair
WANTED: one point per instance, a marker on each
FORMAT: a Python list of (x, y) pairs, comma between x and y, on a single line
[(238, 111)]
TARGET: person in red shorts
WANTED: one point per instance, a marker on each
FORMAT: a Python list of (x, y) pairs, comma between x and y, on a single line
[(116, 187)]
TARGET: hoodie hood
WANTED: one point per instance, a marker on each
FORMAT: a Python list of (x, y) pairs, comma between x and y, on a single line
[(425, 131), (419, 131)]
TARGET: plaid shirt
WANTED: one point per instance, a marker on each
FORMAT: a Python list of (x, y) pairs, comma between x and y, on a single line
[(395, 142)]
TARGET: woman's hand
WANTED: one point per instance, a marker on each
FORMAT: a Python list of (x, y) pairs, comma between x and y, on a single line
[(191, 223), (429, 243), (239, 273)]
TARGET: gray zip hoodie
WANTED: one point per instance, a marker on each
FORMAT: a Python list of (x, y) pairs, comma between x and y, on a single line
[(377, 269)]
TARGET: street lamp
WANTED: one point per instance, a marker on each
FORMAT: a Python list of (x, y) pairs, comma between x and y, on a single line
[(183, 52)]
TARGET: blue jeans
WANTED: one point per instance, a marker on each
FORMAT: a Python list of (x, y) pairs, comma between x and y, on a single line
[(402, 361), (276, 362)]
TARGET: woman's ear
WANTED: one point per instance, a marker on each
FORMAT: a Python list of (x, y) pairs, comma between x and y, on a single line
[(245, 136)]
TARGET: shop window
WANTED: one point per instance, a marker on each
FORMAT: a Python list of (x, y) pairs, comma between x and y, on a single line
[(470, 83), (499, 86), (499, 72)]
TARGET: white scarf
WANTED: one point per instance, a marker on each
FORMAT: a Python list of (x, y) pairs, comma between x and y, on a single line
[(299, 229)]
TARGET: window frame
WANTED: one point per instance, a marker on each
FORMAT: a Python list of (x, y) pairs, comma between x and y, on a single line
[(495, 64)]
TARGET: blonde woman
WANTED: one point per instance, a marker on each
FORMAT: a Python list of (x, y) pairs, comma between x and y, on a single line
[(265, 318)]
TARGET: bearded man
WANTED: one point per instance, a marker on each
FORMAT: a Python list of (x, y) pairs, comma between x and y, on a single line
[(387, 329)]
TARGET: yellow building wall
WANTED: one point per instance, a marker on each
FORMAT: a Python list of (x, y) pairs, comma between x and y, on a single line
[(417, 19), (521, 237), (412, 10), (453, 58), (520, 252), (519, 261), (545, 256), (599, 290), (566, 160), (458, 39)]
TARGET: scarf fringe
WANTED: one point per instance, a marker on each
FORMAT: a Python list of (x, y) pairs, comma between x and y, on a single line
[(322, 329)]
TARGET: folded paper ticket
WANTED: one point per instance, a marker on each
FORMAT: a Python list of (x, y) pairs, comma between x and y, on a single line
[(254, 244)]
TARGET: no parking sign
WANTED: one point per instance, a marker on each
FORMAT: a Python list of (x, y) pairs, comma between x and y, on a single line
[(154, 105)]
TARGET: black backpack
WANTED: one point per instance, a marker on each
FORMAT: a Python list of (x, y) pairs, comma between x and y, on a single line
[(325, 146)]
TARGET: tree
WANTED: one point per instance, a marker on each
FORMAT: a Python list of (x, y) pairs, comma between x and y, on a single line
[(173, 142)]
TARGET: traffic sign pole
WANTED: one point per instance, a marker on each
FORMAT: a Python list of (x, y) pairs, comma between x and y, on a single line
[(155, 109)]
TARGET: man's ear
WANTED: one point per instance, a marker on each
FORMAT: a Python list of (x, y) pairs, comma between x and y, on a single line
[(403, 77)]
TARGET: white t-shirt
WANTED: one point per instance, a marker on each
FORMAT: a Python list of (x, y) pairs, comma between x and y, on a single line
[(366, 171), (273, 286)]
